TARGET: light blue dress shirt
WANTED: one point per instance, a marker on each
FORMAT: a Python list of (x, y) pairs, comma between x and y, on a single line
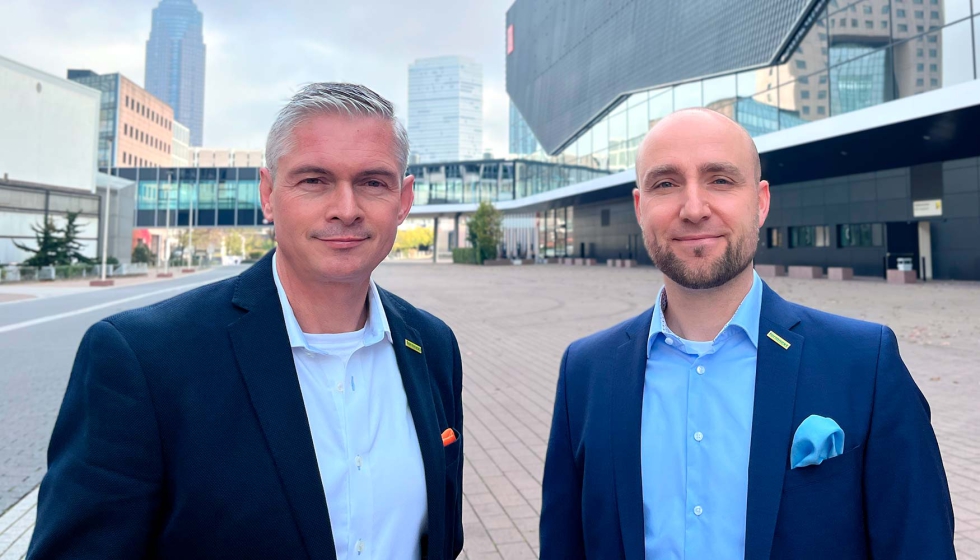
[(695, 436), (364, 436)]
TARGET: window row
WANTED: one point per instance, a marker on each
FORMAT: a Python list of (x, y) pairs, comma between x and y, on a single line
[(143, 137), (848, 235), (132, 160), (148, 113)]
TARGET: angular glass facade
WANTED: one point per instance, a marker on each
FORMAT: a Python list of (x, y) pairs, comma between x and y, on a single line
[(853, 56), (175, 55)]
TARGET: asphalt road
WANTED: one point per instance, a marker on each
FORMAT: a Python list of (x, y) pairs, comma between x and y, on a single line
[(38, 340)]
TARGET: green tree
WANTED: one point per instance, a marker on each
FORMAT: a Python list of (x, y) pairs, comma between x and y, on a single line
[(234, 244), (70, 249), (485, 230), (143, 254), (48, 245)]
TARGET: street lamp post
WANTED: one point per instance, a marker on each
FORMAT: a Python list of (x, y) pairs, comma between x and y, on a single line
[(103, 281), (166, 242)]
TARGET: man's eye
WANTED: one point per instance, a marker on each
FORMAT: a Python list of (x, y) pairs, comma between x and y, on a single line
[(311, 181), (722, 181), (663, 185), (373, 183)]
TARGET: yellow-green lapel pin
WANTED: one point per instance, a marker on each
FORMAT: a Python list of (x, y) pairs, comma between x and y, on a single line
[(778, 340), (413, 346)]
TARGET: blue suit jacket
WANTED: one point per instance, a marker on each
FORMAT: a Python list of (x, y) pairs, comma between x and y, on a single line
[(183, 433), (885, 497)]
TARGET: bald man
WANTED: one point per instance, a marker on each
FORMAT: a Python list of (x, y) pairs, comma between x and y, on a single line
[(730, 423)]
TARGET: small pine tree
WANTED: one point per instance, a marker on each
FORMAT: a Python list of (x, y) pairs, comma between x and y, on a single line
[(48, 245), (143, 254), (71, 249)]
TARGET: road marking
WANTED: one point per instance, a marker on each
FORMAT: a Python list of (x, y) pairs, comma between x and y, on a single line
[(49, 318)]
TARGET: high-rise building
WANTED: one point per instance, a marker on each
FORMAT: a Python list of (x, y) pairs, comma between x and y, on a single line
[(445, 109), (175, 55), (139, 125)]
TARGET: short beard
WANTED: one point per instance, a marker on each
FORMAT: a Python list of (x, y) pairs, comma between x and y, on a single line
[(738, 257)]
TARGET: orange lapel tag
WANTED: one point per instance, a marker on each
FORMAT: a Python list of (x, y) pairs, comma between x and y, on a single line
[(448, 437)]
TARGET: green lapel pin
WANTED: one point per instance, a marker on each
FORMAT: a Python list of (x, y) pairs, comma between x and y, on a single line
[(413, 346), (778, 340)]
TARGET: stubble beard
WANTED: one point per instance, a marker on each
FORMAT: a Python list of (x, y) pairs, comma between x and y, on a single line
[(737, 257)]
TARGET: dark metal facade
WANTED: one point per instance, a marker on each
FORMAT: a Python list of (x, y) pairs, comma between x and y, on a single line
[(570, 60)]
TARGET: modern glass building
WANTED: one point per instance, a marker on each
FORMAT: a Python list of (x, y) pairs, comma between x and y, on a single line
[(862, 112), (229, 196), (175, 56), (445, 109)]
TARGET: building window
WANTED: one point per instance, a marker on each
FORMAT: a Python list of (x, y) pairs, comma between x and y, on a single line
[(932, 53), (868, 9), (801, 64), (822, 94), (604, 218), (821, 110), (885, 9), (934, 82), (900, 13), (919, 14), (805, 94), (823, 78), (809, 236), (934, 68), (884, 24), (934, 15), (774, 237), (868, 24), (806, 109), (860, 235), (902, 27), (920, 82), (854, 22), (920, 67), (919, 52)]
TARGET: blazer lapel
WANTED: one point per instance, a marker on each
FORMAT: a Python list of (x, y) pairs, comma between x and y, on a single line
[(775, 396), (266, 363), (415, 378), (627, 370)]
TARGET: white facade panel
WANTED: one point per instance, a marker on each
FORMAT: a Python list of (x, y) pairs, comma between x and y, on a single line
[(49, 132)]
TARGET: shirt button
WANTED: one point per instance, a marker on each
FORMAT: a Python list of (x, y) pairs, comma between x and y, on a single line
[(698, 436), (670, 341), (358, 462), (698, 510), (340, 386), (359, 546), (700, 370), (308, 354)]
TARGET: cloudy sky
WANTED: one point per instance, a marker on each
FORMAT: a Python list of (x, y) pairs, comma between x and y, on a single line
[(259, 52)]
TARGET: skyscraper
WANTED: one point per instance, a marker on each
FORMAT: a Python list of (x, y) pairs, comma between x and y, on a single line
[(445, 109), (175, 56)]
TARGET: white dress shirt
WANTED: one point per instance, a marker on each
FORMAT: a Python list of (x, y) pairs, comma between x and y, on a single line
[(366, 446)]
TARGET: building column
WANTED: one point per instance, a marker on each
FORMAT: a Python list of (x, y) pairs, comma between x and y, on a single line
[(925, 249), (435, 239)]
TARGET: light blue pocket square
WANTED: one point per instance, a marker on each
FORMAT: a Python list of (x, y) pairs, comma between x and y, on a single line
[(816, 440)]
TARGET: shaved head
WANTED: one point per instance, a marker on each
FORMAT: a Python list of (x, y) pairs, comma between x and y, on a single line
[(699, 115), (700, 198)]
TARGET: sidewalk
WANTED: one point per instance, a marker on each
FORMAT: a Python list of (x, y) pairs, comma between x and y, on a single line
[(18, 291)]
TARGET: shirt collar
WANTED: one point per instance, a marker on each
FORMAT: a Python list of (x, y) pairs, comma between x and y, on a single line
[(746, 317), (375, 329)]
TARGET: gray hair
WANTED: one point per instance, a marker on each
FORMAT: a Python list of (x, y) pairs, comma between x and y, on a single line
[(332, 98)]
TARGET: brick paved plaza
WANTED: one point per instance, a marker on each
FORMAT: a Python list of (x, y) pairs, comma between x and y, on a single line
[(513, 324)]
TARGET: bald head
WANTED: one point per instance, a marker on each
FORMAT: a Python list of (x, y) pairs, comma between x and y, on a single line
[(700, 125)]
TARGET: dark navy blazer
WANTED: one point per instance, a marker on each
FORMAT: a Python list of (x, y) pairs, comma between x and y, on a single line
[(183, 433), (885, 497)]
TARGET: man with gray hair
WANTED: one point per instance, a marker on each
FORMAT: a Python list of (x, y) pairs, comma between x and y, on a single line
[(316, 415)]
